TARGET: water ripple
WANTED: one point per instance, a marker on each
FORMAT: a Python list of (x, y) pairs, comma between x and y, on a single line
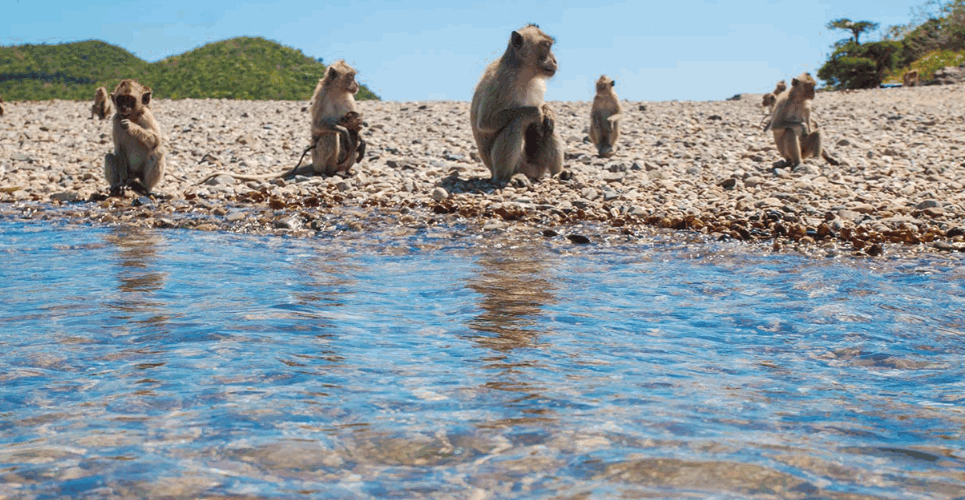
[(141, 364)]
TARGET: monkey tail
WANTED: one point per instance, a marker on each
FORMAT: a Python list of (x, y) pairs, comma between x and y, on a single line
[(305, 152)]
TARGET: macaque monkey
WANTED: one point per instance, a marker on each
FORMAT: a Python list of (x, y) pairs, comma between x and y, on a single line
[(352, 142), (910, 79), (771, 98), (515, 130), (334, 97), (352, 121), (796, 135), (102, 104), (605, 117), (138, 158)]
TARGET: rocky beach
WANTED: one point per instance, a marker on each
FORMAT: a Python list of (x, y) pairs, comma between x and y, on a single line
[(704, 169)]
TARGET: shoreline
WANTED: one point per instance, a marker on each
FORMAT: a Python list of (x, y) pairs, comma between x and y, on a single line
[(703, 167)]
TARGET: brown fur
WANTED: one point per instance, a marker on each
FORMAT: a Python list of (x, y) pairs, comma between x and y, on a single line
[(352, 142), (1, 106), (910, 79), (102, 104), (771, 98), (352, 121), (797, 137), (138, 143), (605, 115), (334, 97), (515, 130)]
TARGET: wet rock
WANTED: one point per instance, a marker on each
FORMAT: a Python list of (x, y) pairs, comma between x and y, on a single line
[(439, 194), (65, 197), (285, 223)]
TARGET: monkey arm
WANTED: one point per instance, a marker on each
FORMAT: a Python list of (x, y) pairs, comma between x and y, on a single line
[(319, 132), (494, 122), (145, 135), (796, 125)]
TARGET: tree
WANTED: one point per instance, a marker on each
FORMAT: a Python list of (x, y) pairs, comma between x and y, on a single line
[(855, 27), (854, 66)]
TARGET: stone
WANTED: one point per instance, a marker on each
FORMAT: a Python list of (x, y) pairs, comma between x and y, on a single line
[(439, 194), (66, 196)]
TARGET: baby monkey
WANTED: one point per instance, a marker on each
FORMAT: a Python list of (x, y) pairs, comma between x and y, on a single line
[(138, 158)]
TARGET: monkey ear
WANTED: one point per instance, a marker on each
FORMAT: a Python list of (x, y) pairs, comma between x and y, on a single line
[(795, 82), (332, 73), (613, 83), (146, 98), (516, 39)]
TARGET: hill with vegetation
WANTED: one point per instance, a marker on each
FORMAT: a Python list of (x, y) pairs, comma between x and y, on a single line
[(936, 39), (239, 68)]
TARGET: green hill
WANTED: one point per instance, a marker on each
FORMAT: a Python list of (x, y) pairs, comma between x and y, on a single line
[(239, 68)]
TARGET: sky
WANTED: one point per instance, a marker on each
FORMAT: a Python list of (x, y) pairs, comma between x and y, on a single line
[(436, 50)]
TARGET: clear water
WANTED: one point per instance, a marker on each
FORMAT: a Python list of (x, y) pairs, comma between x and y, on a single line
[(185, 364)]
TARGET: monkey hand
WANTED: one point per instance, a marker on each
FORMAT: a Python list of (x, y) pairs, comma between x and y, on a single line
[(125, 124), (548, 121)]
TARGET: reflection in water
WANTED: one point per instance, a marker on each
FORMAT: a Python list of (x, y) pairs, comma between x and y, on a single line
[(138, 275), (514, 293), (298, 368), (323, 290)]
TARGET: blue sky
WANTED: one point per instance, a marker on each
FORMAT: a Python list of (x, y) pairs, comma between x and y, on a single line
[(436, 50)]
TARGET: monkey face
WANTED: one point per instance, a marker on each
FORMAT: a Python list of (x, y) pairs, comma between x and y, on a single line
[(547, 61), (350, 84), (340, 76), (604, 84), (129, 96), (534, 49), (126, 105), (352, 121)]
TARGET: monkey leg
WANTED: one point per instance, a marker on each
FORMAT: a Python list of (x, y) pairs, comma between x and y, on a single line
[(115, 171), (361, 151), (152, 170), (544, 151), (600, 134), (811, 145), (348, 150), (325, 155), (604, 148), (789, 145), (507, 151)]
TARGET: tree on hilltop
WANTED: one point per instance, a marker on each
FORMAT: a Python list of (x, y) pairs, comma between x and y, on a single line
[(855, 27)]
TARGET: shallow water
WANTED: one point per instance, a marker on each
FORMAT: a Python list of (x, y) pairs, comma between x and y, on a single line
[(186, 364)]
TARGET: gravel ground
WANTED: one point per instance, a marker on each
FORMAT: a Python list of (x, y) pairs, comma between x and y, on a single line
[(705, 168)]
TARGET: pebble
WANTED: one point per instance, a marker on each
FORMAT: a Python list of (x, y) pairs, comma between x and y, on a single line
[(719, 178)]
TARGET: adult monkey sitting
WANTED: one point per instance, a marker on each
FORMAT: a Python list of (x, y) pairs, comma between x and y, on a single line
[(796, 135), (515, 130)]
